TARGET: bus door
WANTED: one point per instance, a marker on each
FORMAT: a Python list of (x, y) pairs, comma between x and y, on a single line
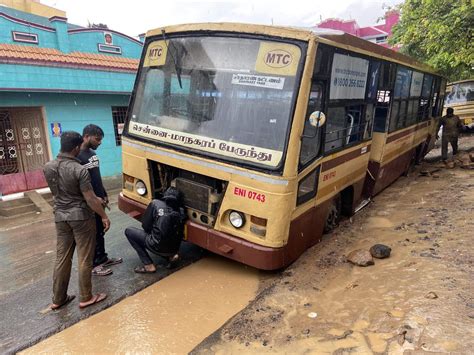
[(306, 225)]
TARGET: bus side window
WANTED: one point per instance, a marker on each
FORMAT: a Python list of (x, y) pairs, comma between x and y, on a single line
[(367, 125), (438, 97), (311, 144), (346, 125), (335, 128), (384, 94), (401, 95), (308, 186), (426, 97)]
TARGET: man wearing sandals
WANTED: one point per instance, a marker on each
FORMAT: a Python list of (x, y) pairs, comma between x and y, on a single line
[(74, 207), (93, 136), (163, 223)]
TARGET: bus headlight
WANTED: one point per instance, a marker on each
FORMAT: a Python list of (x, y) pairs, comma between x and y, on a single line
[(237, 219), (140, 188)]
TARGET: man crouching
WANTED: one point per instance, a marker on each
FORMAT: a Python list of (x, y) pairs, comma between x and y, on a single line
[(163, 227)]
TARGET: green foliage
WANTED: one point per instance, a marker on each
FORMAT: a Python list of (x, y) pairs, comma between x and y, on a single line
[(439, 33)]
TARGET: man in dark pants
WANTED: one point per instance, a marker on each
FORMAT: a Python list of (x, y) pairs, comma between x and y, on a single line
[(93, 136), (452, 125), (74, 207), (163, 223)]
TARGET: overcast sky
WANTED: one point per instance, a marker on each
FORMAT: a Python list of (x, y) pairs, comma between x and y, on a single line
[(133, 17)]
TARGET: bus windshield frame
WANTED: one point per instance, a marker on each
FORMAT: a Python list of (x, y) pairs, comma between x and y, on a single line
[(194, 97), (459, 93)]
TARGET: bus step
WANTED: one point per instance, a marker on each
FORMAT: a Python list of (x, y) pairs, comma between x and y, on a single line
[(362, 205)]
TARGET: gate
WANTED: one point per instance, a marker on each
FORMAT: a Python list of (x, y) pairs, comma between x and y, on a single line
[(23, 150)]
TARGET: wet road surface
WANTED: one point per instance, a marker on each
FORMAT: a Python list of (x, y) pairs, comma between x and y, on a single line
[(26, 259), (170, 316)]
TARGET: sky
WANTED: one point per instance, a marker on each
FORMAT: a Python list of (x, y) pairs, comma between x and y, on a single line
[(138, 16)]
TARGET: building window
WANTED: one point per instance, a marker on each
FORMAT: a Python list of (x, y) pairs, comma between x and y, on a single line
[(119, 113), (25, 37), (381, 39), (106, 48)]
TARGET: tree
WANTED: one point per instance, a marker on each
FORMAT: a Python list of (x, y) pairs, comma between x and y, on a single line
[(439, 33)]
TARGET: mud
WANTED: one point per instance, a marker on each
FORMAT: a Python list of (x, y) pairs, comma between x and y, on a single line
[(418, 299), (171, 316)]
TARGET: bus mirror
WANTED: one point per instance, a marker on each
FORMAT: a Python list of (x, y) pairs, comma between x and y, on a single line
[(317, 119)]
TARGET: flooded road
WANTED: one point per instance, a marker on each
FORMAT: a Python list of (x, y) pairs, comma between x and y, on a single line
[(171, 316), (421, 298)]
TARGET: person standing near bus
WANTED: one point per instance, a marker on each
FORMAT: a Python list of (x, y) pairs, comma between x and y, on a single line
[(452, 125), (93, 136), (74, 207)]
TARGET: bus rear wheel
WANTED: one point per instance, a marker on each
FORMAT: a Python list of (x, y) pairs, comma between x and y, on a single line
[(334, 214)]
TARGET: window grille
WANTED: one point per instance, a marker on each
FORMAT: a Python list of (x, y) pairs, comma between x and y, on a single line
[(119, 113)]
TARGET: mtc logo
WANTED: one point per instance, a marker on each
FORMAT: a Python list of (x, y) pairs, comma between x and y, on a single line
[(278, 58), (156, 52)]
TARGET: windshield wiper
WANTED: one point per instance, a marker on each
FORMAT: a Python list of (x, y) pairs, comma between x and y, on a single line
[(177, 70)]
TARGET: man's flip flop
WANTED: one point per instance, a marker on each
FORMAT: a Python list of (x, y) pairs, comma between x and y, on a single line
[(101, 271), (112, 261), (95, 299), (142, 270), (69, 298)]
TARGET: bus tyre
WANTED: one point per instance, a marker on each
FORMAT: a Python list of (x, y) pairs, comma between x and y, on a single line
[(334, 214)]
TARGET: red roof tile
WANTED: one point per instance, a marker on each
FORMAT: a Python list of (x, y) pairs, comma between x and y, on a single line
[(48, 56)]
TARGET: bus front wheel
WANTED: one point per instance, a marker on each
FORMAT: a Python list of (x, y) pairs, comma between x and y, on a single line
[(334, 214)]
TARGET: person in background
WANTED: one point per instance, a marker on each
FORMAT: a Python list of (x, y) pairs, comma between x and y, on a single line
[(93, 136), (163, 229), (452, 125), (74, 207)]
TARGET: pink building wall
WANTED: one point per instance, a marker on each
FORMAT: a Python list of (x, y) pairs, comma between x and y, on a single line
[(376, 33)]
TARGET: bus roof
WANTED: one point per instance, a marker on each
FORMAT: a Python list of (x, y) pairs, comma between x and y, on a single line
[(331, 37), (460, 82)]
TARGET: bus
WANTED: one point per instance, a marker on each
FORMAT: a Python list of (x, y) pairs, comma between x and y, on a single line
[(460, 96), (271, 133)]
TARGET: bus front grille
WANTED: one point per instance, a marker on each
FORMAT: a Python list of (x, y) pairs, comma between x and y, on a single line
[(197, 196)]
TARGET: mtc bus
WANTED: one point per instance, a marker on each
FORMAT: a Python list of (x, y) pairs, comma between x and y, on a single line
[(271, 133), (460, 96)]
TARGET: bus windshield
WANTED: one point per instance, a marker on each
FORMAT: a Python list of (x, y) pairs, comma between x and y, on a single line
[(222, 96), (460, 93)]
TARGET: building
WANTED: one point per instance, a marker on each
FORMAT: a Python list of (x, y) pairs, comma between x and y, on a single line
[(377, 33), (56, 76)]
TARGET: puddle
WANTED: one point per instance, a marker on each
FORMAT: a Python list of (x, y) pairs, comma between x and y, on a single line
[(379, 222), (171, 316)]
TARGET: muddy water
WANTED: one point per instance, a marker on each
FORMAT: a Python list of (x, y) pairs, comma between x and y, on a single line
[(171, 316), (418, 299)]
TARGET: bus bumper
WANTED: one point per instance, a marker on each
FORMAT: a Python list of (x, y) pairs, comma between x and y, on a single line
[(132, 208), (258, 256)]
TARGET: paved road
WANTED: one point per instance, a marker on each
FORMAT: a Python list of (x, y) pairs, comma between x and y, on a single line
[(26, 259)]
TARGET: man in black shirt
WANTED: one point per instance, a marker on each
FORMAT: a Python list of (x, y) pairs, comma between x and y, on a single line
[(93, 136)]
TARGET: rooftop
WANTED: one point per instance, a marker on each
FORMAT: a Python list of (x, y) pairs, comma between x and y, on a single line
[(17, 54)]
